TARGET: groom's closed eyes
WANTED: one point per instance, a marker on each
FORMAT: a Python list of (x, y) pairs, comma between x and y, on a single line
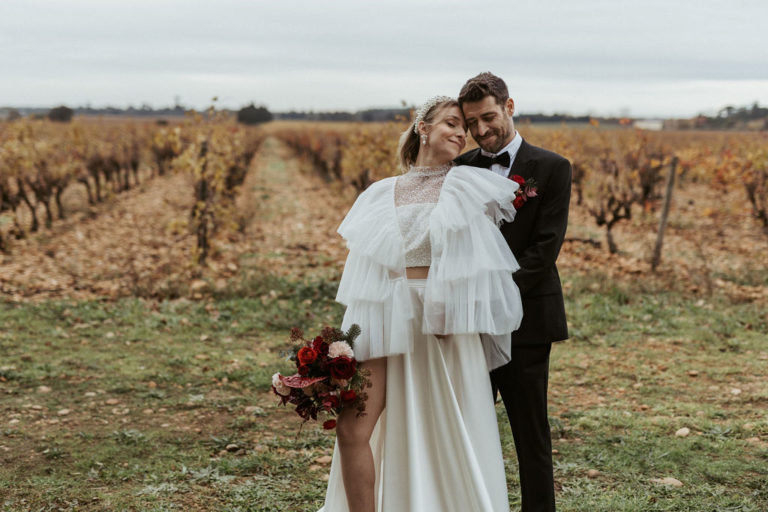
[(487, 118)]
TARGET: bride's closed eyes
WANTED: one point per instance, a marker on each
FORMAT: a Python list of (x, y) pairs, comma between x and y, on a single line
[(454, 122)]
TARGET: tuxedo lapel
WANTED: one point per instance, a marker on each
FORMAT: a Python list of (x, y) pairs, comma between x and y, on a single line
[(523, 165)]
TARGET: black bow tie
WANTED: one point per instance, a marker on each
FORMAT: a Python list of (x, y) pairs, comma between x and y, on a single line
[(487, 161)]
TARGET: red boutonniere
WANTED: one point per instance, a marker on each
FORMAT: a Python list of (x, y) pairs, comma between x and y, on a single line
[(527, 189)]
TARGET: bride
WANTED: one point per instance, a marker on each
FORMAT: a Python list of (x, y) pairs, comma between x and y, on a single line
[(427, 272)]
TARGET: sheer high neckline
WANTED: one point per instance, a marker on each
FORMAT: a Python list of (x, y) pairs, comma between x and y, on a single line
[(420, 184), (429, 170)]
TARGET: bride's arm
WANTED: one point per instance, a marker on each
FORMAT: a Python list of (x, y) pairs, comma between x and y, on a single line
[(373, 284), (470, 288)]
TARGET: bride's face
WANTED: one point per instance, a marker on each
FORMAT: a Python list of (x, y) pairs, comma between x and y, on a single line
[(447, 134)]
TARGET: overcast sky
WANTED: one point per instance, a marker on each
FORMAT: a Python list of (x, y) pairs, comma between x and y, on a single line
[(642, 58)]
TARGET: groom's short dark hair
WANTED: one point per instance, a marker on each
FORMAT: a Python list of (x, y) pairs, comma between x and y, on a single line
[(484, 84)]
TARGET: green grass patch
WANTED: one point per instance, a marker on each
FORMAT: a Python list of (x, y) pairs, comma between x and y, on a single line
[(166, 405)]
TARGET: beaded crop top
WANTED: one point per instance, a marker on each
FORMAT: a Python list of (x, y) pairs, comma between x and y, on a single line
[(416, 194)]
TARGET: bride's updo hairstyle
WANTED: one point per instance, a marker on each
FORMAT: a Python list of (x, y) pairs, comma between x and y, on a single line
[(410, 140)]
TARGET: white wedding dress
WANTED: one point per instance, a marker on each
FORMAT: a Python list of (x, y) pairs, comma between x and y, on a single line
[(436, 445)]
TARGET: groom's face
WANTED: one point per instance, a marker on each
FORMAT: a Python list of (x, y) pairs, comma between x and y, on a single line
[(489, 123)]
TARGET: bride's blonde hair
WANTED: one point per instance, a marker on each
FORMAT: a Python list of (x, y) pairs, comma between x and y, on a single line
[(408, 147)]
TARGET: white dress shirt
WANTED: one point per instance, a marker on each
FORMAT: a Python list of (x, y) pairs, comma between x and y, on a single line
[(512, 148)]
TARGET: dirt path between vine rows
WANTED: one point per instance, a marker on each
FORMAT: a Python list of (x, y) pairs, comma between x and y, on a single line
[(296, 214), (139, 243), (107, 250)]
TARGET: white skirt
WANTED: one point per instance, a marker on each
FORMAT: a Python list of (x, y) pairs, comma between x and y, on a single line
[(436, 445)]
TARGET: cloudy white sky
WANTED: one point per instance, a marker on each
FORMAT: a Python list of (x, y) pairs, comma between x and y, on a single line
[(643, 58)]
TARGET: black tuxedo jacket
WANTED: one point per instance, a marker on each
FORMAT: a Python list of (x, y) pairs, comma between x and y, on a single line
[(535, 238)]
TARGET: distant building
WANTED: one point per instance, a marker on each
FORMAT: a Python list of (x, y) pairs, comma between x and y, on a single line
[(649, 124)]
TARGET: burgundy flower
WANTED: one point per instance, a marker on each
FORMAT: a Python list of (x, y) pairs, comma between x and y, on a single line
[(348, 395), (331, 402), (329, 425), (342, 367), (303, 370), (518, 202), (306, 408), (320, 346)]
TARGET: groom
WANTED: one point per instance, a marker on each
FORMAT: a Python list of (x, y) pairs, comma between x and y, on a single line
[(535, 238)]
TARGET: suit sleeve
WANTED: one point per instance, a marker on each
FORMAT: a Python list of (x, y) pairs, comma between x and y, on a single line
[(548, 231)]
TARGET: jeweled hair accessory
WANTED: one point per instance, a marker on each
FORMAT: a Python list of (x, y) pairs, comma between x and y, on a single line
[(426, 107)]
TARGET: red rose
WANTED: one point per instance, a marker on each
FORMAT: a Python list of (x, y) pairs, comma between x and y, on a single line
[(306, 356), (342, 367), (518, 202), (330, 424), (348, 395), (320, 346), (518, 179), (303, 370)]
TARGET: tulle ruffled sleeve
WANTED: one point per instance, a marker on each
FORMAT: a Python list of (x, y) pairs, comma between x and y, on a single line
[(373, 285), (470, 287)]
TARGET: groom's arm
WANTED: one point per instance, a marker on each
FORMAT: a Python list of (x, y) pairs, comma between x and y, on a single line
[(548, 231)]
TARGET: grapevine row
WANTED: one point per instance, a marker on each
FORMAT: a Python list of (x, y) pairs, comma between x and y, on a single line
[(40, 160), (615, 171)]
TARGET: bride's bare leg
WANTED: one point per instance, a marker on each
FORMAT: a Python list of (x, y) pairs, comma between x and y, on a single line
[(354, 434)]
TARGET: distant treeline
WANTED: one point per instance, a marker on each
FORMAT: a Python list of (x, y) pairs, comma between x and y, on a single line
[(6, 112), (399, 114), (558, 118), (253, 114), (147, 111), (372, 115), (752, 117)]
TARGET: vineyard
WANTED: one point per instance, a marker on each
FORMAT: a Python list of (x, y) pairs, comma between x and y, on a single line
[(718, 219), (54, 172), (150, 272)]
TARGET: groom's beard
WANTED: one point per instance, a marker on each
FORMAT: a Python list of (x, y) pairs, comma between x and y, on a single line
[(496, 138)]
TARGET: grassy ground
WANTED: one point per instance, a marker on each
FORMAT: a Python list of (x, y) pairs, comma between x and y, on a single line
[(155, 405), (136, 405)]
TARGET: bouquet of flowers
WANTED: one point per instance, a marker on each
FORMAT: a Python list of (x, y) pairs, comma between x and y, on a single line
[(327, 377)]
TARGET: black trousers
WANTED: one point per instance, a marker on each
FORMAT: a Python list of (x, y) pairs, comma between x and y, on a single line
[(523, 387)]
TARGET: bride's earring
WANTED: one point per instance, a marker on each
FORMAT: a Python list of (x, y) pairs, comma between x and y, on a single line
[(423, 140)]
